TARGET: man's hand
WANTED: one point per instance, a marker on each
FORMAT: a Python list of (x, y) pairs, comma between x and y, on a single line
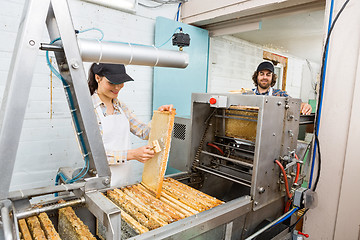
[(141, 154), (165, 108), (305, 109)]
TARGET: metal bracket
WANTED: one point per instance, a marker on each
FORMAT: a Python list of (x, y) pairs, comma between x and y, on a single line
[(106, 212), (97, 183)]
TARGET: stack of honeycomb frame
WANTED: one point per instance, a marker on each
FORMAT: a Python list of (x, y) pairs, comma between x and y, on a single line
[(71, 227), (37, 227), (142, 211), (40, 227)]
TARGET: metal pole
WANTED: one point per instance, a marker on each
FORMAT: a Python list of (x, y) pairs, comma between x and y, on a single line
[(228, 159), (222, 175), (18, 85), (130, 54), (6, 223), (59, 24), (36, 211), (21, 194)]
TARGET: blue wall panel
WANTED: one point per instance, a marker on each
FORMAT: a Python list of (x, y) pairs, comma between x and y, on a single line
[(174, 86)]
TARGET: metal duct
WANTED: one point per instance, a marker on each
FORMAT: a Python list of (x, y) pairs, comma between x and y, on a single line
[(130, 54)]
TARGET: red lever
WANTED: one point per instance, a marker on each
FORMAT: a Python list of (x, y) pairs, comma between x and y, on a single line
[(304, 234), (212, 100)]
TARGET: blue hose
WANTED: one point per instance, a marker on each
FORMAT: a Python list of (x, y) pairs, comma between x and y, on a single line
[(286, 217), (83, 172), (321, 95), (177, 13), (96, 29)]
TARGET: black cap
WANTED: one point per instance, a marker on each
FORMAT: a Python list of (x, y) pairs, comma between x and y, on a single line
[(265, 65), (115, 73)]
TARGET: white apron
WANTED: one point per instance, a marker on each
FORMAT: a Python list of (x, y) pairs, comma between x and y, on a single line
[(116, 131)]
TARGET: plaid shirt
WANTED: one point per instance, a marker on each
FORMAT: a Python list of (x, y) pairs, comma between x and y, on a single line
[(275, 92), (137, 127)]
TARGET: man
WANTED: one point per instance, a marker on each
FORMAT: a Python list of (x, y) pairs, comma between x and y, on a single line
[(264, 79)]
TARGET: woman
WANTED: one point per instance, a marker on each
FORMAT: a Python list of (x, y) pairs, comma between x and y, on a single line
[(116, 121)]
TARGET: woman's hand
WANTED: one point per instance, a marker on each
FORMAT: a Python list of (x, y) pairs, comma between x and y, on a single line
[(305, 108), (141, 154), (165, 108)]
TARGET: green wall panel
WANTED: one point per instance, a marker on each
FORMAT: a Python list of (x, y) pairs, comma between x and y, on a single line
[(172, 85)]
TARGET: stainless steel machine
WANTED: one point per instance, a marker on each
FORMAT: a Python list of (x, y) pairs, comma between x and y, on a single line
[(246, 158), (226, 149)]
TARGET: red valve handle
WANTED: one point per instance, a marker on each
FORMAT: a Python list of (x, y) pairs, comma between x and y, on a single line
[(304, 234)]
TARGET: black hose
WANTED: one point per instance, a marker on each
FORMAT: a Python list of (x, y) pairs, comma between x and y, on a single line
[(320, 90)]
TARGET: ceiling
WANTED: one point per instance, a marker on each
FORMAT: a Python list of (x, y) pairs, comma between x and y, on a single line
[(291, 26), (299, 34)]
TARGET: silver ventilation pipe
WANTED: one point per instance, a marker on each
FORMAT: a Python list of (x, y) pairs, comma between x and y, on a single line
[(130, 54)]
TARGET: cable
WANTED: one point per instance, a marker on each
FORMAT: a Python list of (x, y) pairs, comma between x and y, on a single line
[(177, 13), (78, 177), (214, 146), (85, 169), (286, 217), (96, 29), (170, 37), (319, 105), (272, 224), (319, 164), (287, 205), (297, 221), (285, 178), (289, 201)]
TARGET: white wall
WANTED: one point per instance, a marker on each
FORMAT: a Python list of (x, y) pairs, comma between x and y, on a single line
[(233, 61), (47, 144)]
